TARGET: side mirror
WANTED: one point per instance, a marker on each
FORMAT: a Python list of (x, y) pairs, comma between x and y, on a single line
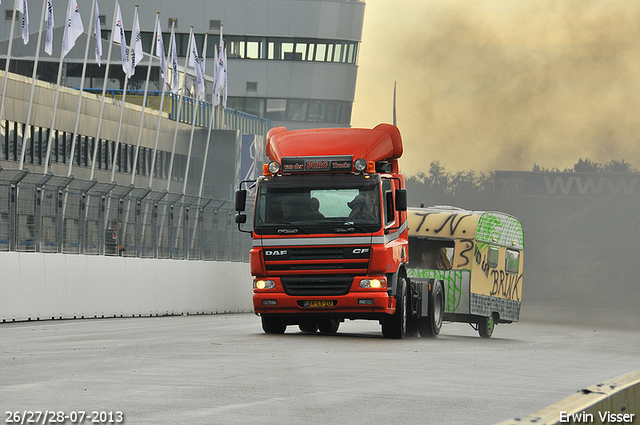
[(241, 200), (401, 199), (241, 218)]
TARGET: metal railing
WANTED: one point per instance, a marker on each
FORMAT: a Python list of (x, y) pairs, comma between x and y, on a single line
[(223, 118), (54, 214)]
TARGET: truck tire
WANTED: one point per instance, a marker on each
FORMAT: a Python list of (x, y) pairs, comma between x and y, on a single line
[(431, 325), (486, 325), (395, 327), (273, 324), (328, 326)]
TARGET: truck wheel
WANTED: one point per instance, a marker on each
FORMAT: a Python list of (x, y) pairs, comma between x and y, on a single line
[(430, 326), (486, 325), (395, 327), (328, 326), (273, 324), (308, 326)]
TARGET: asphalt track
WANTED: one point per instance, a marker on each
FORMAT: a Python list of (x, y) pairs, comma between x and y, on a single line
[(221, 369)]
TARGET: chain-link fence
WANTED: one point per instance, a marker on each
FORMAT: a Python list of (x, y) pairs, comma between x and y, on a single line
[(53, 214)]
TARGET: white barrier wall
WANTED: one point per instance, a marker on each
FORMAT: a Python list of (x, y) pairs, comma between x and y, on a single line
[(37, 286)]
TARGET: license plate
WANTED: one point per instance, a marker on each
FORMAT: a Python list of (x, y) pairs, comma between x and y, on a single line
[(319, 303)]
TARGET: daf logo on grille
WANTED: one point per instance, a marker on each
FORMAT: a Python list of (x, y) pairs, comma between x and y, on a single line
[(361, 250), (283, 252)]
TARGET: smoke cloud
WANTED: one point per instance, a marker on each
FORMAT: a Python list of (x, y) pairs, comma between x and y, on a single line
[(503, 85)]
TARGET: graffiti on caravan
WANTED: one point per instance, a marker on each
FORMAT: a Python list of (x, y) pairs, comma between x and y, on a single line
[(566, 184)]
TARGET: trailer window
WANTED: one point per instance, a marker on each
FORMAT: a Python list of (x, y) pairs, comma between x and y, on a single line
[(492, 256), (432, 254), (512, 261)]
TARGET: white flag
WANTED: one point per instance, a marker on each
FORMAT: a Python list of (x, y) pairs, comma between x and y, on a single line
[(219, 78), (123, 43), (97, 34), (175, 82), (48, 40), (73, 29), (203, 58), (160, 53), (136, 53), (194, 62), (224, 99), (23, 7)]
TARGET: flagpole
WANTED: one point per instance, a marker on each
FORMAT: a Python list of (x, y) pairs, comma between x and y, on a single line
[(224, 99), (155, 146), (204, 167), (195, 114), (33, 84), (124, 95), (55, 101), (84, 73), (206, 153), (104, 89), (144, 102), (8, 59), (180, 96), (53, 115)]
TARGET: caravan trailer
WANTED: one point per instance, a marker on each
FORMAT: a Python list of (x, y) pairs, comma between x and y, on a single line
[(477, 257)]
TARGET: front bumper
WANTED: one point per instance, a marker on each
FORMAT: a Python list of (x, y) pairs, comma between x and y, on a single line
[(352, 304)]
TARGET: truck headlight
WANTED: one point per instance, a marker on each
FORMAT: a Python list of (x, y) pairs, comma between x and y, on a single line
[(373, 283), (263, 284)]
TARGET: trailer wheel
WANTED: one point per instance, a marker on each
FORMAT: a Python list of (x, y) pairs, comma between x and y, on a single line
[(273, 324), (395, 327), (486, 325), (431, 325), (328, 326), (308, 326)]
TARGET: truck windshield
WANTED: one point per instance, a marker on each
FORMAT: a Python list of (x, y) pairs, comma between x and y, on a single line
[(308, 207)]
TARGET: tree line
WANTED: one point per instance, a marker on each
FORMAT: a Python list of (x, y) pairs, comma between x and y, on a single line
[(437, 186)]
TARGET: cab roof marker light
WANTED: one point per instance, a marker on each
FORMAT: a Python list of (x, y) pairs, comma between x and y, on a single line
[(371, 167), (360, 165), (274, 167)]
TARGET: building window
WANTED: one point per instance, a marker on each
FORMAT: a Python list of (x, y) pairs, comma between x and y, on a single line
[(297, 110), (253, 106), (28, 145), (4, 139), (275, 109), (253, 48), (8, 15), (328, 111), (214, 24)]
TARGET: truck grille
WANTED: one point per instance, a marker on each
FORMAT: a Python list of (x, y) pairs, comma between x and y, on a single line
[(343, 260), (317, 285)]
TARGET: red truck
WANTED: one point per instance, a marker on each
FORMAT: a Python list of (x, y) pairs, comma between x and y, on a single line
[(330, 237)]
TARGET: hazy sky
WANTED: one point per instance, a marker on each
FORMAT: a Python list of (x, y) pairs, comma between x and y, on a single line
[(503, 84)]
